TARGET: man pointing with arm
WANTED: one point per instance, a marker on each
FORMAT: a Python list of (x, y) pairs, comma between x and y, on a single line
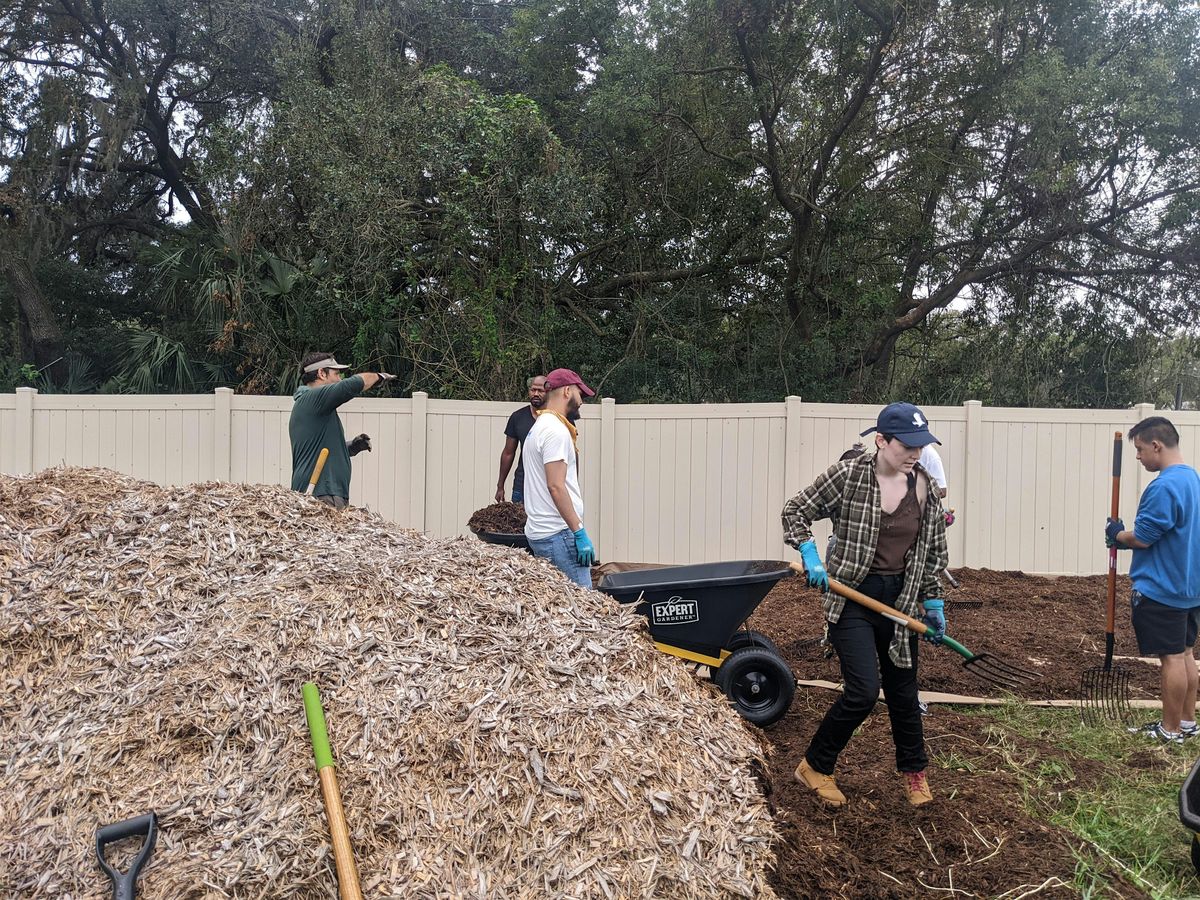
[(315, 425)]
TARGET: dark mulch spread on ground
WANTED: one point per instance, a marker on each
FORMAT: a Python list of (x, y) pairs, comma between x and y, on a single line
[(499, 518), (1051, 626), (977, 837)]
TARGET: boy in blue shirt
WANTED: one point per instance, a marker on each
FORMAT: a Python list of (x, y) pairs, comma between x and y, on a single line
[(1165, 571)]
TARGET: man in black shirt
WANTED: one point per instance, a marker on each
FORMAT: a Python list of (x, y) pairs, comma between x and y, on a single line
[(518, 426)]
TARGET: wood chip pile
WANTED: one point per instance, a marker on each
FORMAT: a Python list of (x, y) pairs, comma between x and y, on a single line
[(499, 732)]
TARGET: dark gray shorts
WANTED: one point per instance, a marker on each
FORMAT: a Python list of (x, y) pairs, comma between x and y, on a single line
[(331, 500), (1163, 630)]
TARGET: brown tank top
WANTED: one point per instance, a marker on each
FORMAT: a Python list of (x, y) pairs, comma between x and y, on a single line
[(897, 532)]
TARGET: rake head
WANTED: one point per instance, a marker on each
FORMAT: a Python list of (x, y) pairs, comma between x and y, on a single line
[(1104, 695), (812, 647), (966, 603), (995, 671)]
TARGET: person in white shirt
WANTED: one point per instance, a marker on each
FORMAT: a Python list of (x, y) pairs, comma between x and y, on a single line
[(553, 502), (932, 463)]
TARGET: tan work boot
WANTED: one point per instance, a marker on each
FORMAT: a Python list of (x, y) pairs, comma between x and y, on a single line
[(824, 785), (916, 785)]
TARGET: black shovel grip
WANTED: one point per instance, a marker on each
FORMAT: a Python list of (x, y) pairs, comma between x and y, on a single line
[(125, 883)]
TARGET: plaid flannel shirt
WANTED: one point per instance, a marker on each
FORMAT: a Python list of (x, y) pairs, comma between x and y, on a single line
[(848, 495)]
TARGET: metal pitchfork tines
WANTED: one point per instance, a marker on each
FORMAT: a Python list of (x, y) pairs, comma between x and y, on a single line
[(1104, 690), (1104, 694), (986, 668)]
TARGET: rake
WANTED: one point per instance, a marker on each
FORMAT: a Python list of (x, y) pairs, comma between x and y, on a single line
[(983, 666), (959, 601), (1104, 690), (813, 646)]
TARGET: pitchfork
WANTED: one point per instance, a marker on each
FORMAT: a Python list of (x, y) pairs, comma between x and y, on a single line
[(981, 665), (1104, 692)]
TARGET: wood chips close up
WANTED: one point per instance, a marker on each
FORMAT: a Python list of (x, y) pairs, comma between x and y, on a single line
[(499, 732)]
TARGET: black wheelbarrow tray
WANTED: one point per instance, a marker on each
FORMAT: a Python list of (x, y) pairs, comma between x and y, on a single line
[(504, 540), (1189, 810), (697, 613)]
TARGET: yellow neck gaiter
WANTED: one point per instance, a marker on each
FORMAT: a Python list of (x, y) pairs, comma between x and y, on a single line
[(571, 428)]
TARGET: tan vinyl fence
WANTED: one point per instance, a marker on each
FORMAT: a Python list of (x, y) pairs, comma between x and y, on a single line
[(661, 483)]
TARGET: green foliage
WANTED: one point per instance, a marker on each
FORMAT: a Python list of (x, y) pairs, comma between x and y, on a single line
[(684, 200)]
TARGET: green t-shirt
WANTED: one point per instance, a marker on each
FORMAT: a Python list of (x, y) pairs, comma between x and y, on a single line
[(315, 424)]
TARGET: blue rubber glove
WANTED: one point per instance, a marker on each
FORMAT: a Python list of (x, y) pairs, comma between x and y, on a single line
[(817, 576), (585, 553), (934, 619), (1111, 530)]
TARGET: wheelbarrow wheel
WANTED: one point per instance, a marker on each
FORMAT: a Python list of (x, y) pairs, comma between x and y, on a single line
[(749, 638), (758, 683)]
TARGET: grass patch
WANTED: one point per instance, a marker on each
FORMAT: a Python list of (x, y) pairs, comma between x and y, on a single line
[(1125, 806)]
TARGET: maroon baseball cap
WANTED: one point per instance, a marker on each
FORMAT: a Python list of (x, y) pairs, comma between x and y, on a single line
[(565, 377)]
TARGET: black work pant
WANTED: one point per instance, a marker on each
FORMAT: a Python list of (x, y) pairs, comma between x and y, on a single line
[(861, 638)]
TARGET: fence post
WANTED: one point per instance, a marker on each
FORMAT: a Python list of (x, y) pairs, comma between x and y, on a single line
[(222, 433), (608, 477), (791, 446), (974, 524), (1141, 411), (23, 431), (420, 445)]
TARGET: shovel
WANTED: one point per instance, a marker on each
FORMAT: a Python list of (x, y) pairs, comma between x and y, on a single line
[(316, 472), (1104, 691), (125, 883), (981, 665), (343, 853)]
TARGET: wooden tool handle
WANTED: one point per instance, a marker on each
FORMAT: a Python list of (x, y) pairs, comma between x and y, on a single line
[(339, 835), (870, 603), (316, 473)]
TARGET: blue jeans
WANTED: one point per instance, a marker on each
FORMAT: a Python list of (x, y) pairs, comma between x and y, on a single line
[(517, 495), (560, 550)]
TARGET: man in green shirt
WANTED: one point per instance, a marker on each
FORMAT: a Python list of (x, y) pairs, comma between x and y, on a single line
[(315, 425)]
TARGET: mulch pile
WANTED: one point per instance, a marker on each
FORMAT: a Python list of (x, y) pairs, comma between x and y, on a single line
[(1051, 626), (499, 518), (499, 732)]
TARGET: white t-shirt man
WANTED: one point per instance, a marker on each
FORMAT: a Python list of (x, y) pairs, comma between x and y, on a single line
[(548, 441), (932, 463)]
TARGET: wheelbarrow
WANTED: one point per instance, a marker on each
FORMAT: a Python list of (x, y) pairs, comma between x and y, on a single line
[(1189, 810), (504, 540), (697, 612)]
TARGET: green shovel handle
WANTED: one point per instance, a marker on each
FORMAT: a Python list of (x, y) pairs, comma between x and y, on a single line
[(316, 725), (957, 647)]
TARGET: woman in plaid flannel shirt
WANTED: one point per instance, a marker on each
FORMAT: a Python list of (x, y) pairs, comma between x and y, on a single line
[(891, 543)]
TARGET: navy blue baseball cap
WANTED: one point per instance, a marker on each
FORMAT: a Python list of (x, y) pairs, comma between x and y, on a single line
[(904, 422)]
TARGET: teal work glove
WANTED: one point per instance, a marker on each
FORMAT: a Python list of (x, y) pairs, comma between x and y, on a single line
[(585, 553), (1111, 530), (817, 576), (934, 619)]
